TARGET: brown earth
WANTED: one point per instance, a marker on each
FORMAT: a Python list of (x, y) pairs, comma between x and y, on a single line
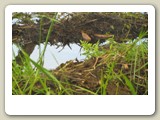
[(90, 74)]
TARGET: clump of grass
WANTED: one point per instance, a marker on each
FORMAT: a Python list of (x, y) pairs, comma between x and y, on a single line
[(31, 77), (127, 64), (26, 77), (92, 50)]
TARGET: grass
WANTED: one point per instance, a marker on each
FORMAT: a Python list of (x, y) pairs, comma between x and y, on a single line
[(32, 77), (125, 65)]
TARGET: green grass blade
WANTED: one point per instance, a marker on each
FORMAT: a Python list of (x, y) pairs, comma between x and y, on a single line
[(129, 84), (46, 72)]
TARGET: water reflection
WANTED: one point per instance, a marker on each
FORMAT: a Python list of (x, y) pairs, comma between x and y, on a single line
[(53, 58)]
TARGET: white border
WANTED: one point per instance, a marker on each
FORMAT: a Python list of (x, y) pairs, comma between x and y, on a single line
[(79, 104)]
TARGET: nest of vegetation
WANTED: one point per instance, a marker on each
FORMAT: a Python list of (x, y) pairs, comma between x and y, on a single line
[(107, 70), (122, 69), (123, 26)]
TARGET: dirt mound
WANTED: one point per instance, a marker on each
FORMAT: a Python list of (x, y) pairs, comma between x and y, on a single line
[(123, 26), (95, 73)]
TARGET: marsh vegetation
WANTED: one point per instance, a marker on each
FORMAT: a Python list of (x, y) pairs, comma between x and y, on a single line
[(114, 65)]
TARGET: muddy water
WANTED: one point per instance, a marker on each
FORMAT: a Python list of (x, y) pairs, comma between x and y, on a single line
[(54, 57)]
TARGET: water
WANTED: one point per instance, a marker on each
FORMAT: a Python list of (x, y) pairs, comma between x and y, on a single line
[(53, 58)]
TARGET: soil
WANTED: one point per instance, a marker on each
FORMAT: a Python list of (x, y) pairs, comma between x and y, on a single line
[(90, 74), (87, 74), (123, 26)]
